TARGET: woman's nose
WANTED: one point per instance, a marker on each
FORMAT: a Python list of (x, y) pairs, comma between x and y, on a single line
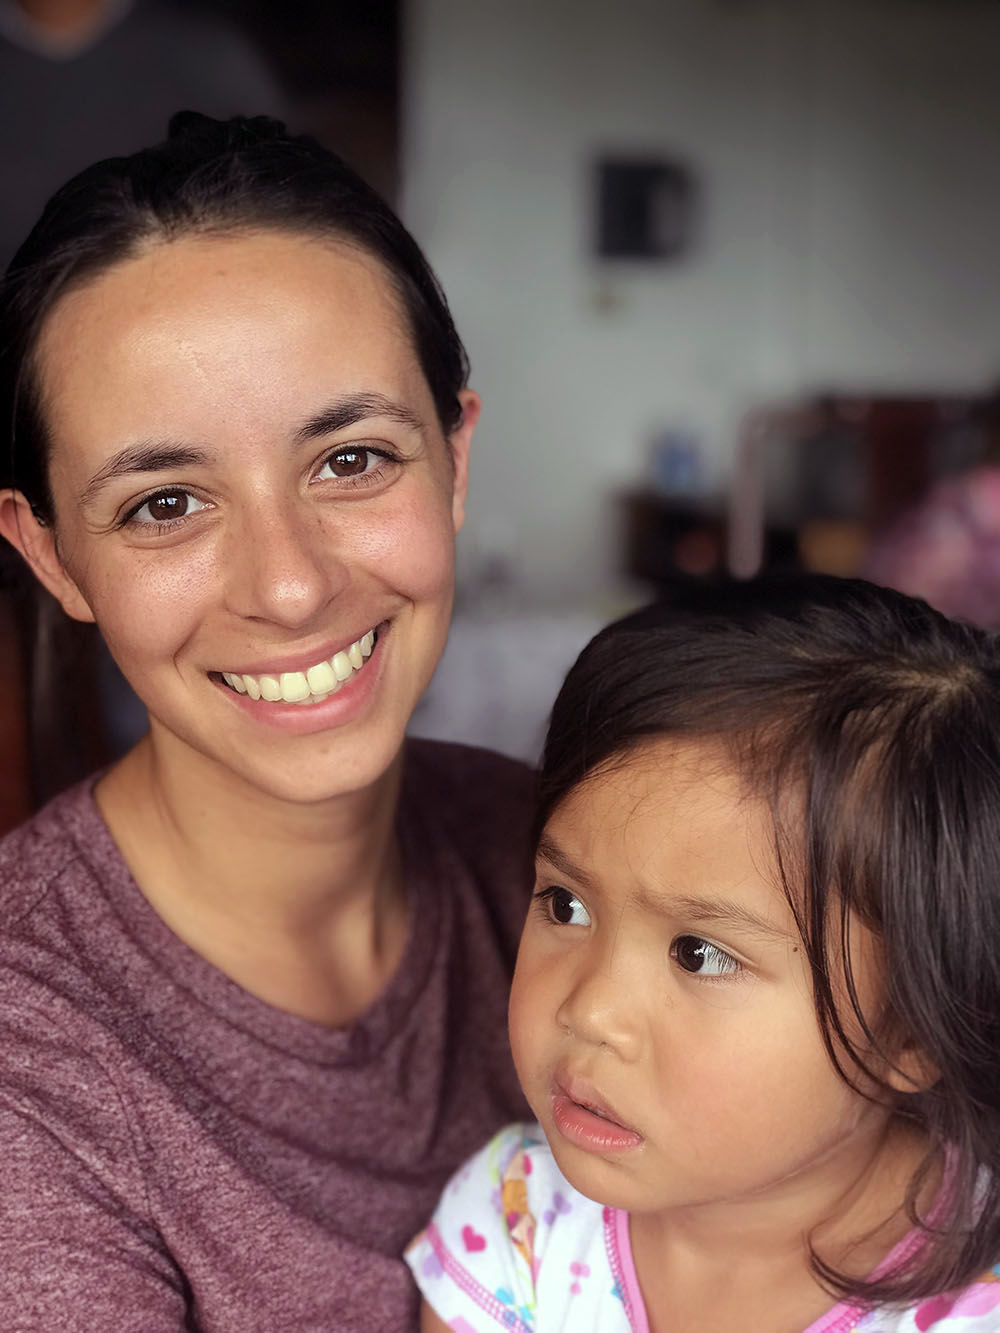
[(601, 1006), (283, 566)]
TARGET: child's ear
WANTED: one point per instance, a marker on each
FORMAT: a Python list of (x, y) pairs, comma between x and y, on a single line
[(37, 543), (911, 1071)]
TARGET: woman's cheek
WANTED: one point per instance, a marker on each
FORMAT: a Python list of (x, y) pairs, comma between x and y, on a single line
[(410, 544), (154, 605)]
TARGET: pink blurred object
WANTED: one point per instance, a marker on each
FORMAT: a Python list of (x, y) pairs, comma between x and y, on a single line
[(947, 548)]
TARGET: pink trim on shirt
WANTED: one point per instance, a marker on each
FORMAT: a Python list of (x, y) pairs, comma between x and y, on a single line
[(843, 1318), (463, 1279), (619, 1249)]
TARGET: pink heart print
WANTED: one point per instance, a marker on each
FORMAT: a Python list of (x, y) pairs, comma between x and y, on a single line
[(472, 1240), (979, 1299)]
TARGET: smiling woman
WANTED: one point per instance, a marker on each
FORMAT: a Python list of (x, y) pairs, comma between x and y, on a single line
[(253, 976)]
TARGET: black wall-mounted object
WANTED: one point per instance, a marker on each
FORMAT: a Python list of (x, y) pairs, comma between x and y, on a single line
[(645, 209)]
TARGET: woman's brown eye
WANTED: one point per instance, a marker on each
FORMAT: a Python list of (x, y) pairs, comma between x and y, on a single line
[(168, 504), (349, 463), (165, 507)]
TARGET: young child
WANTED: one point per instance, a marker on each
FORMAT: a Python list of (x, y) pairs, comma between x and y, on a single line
[(757, 1003)]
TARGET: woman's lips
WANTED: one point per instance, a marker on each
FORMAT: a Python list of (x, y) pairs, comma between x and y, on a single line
[(351, 698), (583, 1118)]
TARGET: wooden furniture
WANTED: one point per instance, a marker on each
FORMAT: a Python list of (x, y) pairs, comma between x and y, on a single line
[(51, 723)]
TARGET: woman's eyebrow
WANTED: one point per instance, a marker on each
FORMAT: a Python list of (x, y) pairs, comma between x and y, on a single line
[(353, 408), (162, 455), (151, 456)]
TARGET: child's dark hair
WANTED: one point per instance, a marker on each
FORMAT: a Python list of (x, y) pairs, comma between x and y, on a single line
[(881, 718), (207, 177)]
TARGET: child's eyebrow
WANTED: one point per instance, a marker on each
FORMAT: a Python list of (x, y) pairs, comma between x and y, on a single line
[(696, 908), (710, 911), (549, 850)]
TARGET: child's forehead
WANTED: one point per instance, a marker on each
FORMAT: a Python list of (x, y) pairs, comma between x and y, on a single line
[(666, 802), (669, 772)]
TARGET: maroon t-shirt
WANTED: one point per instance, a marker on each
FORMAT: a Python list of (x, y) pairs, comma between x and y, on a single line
[(177, 1154)]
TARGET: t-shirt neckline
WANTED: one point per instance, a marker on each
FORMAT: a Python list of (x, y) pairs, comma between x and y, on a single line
[(229, 1002)]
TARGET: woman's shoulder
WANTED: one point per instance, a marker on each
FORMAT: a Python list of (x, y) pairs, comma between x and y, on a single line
[(472, 775), (466, 816), (480, 800), (60, 916), (48, 849)]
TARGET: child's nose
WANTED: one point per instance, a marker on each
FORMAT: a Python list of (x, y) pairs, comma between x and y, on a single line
[(600, 1006)]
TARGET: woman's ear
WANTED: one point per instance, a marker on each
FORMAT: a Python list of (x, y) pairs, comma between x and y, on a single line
[(459, 442), (36, 542)]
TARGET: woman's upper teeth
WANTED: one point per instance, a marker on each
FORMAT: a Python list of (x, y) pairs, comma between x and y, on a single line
[(311, 685)]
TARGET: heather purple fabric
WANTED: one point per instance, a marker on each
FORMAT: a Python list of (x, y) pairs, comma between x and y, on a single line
[(176, 1154)]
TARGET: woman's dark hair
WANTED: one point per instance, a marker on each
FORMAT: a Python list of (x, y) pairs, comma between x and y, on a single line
[(871, 725), (208, 176)]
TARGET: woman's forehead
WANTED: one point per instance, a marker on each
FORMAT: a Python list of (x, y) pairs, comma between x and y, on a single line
[(214, 274), (234, 323)]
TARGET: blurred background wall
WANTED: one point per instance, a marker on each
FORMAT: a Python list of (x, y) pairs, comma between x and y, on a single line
[(846, 235)]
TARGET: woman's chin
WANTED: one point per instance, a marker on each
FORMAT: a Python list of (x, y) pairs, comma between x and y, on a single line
[(292, 768), (320, 767)]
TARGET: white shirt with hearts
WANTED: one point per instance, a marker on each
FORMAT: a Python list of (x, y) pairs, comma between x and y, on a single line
[(511, 1238), (513, 1245)]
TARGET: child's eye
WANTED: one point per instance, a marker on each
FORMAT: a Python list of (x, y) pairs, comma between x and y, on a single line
[(562, 907), (702, 958)]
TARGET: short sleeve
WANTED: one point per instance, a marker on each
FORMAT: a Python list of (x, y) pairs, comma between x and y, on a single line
[(975, 1309), (475, 1263)]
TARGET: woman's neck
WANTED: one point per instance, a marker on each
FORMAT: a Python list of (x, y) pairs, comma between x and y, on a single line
[(301, 905)]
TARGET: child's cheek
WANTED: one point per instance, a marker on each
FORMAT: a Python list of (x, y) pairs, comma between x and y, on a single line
[(531, 1021)]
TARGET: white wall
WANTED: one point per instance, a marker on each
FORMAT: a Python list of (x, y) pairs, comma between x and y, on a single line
[(848, 161)]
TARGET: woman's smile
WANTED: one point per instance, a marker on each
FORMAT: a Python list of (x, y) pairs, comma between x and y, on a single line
[(330, 693), (304, 685)]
